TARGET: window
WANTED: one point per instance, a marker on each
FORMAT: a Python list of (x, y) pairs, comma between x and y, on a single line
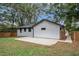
[(29, 29), (20, 30), (24, 29), (43, 28)]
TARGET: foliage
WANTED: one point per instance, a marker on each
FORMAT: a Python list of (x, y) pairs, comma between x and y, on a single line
[(68, 13), (27, 10), (8, 29), (23, 14), (20, 14)]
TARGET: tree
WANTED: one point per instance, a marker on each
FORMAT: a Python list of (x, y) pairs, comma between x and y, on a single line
[(68, 13), (28, 10)]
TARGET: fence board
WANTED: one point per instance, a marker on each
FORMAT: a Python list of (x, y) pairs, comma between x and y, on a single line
[(8, 34), (75, 38)]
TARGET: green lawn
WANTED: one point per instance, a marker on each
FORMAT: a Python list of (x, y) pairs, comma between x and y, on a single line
[(12, 47)]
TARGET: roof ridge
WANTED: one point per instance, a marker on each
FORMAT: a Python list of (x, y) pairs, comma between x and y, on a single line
[(33, 25)]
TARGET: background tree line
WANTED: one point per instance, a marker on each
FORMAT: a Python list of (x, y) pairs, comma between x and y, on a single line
[(23, 14)]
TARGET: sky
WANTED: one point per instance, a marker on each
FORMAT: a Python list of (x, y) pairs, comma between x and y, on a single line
[(45, 16)]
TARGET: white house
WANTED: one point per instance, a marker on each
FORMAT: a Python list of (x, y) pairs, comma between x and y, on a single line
[(43, 29)]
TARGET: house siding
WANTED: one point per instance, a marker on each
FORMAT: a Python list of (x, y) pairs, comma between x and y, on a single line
[(52, 30), (27, 34)]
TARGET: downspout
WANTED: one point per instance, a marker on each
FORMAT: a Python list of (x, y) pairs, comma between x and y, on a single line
[(33, 32)]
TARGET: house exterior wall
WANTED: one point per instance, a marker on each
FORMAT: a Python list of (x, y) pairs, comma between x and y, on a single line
[(27, 34), (52, 30)]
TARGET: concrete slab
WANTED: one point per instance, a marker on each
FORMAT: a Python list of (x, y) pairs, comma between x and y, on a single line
[(42, 41)]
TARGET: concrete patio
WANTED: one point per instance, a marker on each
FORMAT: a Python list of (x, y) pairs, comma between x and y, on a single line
[(41, 41)]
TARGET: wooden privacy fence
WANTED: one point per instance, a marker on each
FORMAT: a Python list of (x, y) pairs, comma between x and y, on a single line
[(75, 35), (62, 35), (8, 34), (75, 38)]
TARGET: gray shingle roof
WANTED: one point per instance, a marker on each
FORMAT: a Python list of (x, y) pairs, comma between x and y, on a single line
[(26, 26), (33, 25)]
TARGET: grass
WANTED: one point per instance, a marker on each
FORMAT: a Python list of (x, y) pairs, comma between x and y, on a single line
[(12, 47)]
